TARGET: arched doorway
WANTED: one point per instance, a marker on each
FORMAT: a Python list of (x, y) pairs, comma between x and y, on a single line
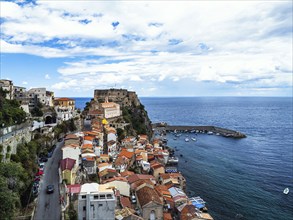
[(48, 119), (153, 215)]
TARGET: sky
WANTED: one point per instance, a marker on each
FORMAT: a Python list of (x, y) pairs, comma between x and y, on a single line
[(156, 48)]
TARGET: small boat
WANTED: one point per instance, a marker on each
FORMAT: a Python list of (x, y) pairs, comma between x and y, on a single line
[(173, 160), (286, 191), (186, 139), (194, 139), (210, 133), (175, 139)]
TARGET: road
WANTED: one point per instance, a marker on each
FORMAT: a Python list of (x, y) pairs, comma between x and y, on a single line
[(48, 206)]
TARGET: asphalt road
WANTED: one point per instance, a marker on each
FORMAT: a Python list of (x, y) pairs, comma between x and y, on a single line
[(48, 205)]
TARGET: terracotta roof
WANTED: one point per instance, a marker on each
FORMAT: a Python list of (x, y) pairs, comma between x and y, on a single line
[(188, 212), (139, 157), (143, 136), (87, 150), (147, 195), (67, 164), (121, 160), (71, 136), (88, 138), (107, 171), (63, 99), (126, 173), (163, 190), (167, 216), (138, 183), (126, 153), (136, 177), (125, 202), (116, 178), (93, 133), (84, 146)]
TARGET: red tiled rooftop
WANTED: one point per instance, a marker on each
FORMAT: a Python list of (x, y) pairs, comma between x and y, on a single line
[(136, 177), (146, 195), (167, 216), (125, 202), (126, 153), (67, 164), (71, 136), (116, 178), (63, 99), (126, 173), (88, 138)]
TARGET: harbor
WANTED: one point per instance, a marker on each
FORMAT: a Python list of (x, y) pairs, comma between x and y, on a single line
[(164, 127)]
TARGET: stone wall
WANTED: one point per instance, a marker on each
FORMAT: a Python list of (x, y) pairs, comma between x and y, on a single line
[(120, 96), (13, 139)]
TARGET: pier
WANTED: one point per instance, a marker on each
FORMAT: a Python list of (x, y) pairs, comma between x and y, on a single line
[(198, 129)]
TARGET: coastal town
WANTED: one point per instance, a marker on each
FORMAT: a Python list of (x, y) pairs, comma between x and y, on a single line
[(103, 172)]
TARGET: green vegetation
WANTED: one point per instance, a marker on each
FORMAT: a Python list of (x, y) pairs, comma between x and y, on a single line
[(71, 213), (64, 127), (136, 117), (14, 180), (10, 111), (37, 110)]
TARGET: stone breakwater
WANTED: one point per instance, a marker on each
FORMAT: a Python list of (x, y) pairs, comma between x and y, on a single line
[(199, 129)]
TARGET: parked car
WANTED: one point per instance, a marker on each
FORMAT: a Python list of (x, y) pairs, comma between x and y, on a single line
[(50, 189), (43, 159), (35, 189)]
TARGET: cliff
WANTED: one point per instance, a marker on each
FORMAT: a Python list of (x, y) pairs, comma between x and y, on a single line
[(133, 112)]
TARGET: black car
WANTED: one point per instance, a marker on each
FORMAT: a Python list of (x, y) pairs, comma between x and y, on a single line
[(50, 189), (43, 159)]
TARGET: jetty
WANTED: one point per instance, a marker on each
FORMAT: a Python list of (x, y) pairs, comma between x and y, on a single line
[(164, 127)]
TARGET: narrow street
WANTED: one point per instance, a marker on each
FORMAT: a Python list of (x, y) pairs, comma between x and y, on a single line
[(48, 205)]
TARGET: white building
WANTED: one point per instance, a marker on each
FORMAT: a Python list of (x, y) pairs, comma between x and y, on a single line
[(7, 86), (37, 94), (110, 109), (96, 202), (71, 151)]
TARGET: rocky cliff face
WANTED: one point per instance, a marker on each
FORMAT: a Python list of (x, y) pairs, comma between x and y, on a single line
[(133, 111)]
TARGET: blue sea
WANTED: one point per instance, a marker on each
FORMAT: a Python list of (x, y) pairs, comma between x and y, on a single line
[(238, 178)]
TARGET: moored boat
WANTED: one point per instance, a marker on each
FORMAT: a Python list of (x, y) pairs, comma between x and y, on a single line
[(286, 191), (173, 160)]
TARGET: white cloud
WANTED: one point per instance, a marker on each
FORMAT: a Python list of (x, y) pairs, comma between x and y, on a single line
[(47, 76), (232, 43), (24, 83)]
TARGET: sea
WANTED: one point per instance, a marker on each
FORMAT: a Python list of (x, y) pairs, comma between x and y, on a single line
[(238, 178)]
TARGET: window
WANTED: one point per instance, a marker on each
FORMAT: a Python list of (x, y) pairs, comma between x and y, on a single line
[(83, 197), (96, 197), (100, 205), (109, 196), (84, 208), (102, 196)]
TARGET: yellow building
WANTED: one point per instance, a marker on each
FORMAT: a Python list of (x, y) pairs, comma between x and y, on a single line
[(68, 169)]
